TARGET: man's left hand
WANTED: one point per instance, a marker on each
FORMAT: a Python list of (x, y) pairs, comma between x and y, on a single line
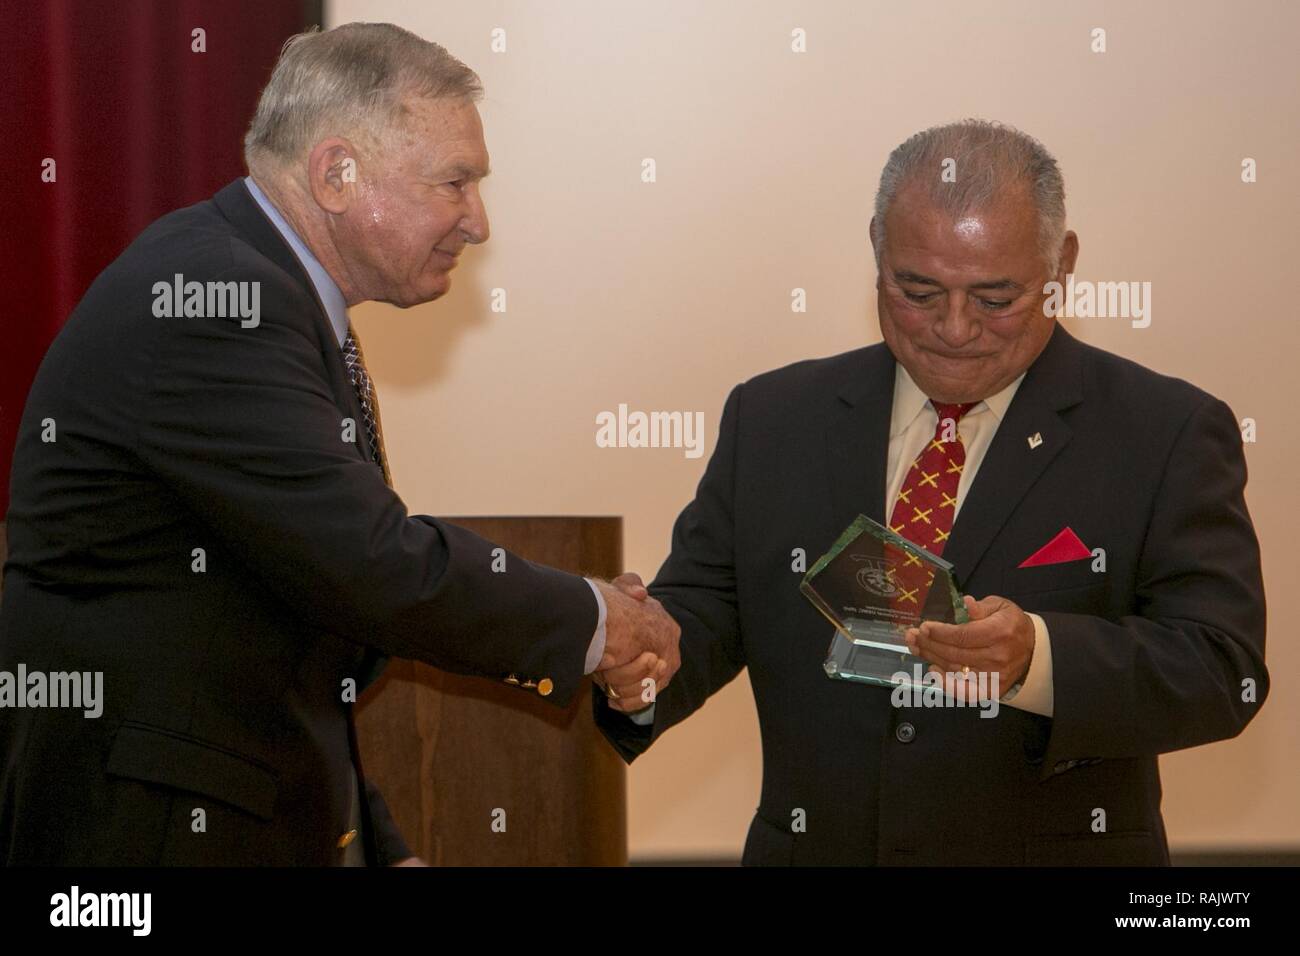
[(998, 639)]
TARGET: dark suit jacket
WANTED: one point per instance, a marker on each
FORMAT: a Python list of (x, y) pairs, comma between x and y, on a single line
[(1148, 657), (224, 689)]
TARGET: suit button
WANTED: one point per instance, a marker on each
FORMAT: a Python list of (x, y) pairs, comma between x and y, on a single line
[(347, 838), (545, 686), (905, 732)]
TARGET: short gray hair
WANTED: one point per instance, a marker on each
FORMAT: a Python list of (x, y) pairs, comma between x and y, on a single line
[(351, 81), (989, 157)]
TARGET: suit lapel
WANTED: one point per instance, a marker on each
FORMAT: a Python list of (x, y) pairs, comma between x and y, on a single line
[(857, 439), (238, 205), (857, 445), (1011, 466)]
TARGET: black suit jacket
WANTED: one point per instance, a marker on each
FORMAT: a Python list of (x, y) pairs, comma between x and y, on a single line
[(1148, 657), (224, 689)]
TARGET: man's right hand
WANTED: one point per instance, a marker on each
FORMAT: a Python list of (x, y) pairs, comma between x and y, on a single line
[(641, 643)]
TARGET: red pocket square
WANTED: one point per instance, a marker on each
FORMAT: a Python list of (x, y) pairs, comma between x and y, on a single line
[(1066, 546)]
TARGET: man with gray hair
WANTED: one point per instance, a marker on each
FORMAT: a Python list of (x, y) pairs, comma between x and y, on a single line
[(1094, 508), (214, 529)]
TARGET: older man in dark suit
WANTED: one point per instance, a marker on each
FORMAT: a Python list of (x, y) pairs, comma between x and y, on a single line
[(200, 513), (1095, 507)]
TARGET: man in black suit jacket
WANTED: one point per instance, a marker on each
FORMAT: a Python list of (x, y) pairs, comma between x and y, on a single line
[(1106, 664), (198, 516)]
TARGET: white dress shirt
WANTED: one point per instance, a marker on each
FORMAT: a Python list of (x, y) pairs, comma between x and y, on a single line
[(911, 426)]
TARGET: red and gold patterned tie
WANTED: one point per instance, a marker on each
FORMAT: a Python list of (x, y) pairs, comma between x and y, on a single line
[(927, 503)]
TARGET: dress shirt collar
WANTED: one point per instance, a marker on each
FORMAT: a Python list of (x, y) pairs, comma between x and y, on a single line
[(910, 401), (336, 307)]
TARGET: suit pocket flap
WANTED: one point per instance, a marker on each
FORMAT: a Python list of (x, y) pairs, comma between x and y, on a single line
[(1053, 577), (156, 755)]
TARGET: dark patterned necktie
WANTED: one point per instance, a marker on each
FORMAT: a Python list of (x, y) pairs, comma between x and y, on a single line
[(360, 379)]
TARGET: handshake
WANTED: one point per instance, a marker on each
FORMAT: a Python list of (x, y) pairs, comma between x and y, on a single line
[(641, 645)]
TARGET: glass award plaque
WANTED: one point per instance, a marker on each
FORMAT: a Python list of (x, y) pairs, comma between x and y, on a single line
[(873, 585)]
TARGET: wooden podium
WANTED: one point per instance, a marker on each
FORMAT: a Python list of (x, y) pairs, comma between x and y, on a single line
[(479, 773)]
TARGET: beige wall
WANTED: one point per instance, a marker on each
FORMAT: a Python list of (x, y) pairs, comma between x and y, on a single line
[(664, 295)]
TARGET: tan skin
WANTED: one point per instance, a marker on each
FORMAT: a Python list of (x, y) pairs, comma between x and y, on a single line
[(961, 305), (632, 680), (392, 232)]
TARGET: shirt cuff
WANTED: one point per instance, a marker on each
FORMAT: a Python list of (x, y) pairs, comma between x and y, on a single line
[(1036, 694), (643, 717), (597, 649)]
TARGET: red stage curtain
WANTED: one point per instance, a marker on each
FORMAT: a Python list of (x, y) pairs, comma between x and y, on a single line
[(138, 124)]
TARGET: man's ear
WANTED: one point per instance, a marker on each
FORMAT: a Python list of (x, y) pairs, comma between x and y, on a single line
[(1069, 255), (871, 232), (332, 174)]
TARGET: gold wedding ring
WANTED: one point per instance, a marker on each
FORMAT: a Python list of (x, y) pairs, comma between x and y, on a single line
[(611, 693)]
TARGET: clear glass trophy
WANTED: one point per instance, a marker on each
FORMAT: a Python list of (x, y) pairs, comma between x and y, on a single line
[(873, 585)]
